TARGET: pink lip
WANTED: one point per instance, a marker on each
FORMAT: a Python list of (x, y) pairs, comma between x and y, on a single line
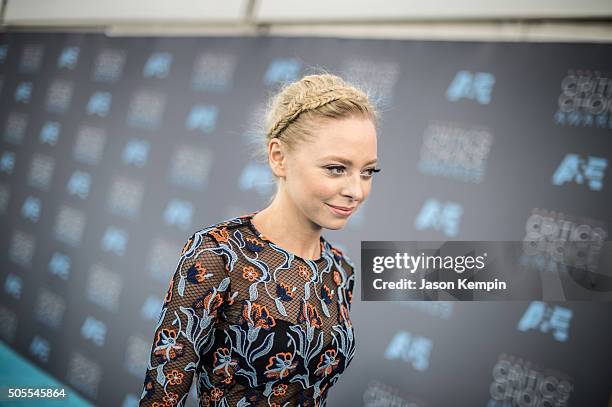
[(341, 210)]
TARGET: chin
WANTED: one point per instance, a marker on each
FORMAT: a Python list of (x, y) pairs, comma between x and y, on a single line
[(331, 221), (336, 223), (336, 227)]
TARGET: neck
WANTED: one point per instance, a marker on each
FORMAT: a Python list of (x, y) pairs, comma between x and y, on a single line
[(286, 226)]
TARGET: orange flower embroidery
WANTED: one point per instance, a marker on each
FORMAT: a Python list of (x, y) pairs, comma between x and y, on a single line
[(201, 269), (171, 399), (253, 244), (304, 271), (220, 235), (216, 394), (280, 365), (197, 273), (224, 365), (174, 377), (208, 301), (250, 273), (327, 363), (337, 278), (284, 291), (280, 390), (309, 313), (259, 317), (166, 344)]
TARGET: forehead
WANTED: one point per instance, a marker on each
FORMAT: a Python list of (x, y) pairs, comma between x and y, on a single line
[(352, 138)]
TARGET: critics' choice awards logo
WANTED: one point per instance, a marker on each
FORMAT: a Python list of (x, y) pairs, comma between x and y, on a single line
[(31, 58), (518, 382), (213, 72), (557, 242), (455, 152), (378, 394), (585, 100)]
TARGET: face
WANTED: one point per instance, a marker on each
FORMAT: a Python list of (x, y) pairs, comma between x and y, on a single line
[(332, 170)]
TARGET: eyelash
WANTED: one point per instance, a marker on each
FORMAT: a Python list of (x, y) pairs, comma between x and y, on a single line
[(333, 167)]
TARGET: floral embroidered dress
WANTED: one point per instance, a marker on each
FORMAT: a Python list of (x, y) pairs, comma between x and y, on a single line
[(253, 323)]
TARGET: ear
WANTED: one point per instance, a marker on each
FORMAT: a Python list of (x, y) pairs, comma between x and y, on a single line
[(277, 157)]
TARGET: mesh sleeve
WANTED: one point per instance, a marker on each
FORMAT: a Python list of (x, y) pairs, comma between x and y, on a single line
[(185, 328)]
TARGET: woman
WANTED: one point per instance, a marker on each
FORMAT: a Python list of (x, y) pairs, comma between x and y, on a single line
[(258, 307)]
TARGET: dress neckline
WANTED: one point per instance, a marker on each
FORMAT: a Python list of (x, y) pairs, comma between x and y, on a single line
[(324, 244)]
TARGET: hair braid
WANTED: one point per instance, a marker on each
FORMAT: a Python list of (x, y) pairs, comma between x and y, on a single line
[(315, 92), (295, 110)]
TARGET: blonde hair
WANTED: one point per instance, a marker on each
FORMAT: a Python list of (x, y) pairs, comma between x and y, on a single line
[(300, 106)]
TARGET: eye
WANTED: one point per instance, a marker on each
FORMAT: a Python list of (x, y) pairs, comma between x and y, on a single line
[(332, 168), (372, 171)]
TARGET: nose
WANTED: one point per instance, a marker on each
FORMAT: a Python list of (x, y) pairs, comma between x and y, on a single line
[(353, 188)]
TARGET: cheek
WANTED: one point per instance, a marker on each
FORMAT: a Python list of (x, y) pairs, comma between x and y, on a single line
[(313, 185), (325, 188), (366, 189)]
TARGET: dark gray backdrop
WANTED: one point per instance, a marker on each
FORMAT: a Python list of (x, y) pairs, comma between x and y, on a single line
[(95, 212)]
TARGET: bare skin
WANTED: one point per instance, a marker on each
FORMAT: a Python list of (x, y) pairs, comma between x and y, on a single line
[(307, 186)]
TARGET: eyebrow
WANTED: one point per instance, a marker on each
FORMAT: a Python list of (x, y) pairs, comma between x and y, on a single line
[(347, 162)]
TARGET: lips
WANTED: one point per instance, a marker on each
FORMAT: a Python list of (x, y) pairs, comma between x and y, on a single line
[(342, 208)]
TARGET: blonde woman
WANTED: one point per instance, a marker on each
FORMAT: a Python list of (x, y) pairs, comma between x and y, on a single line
[(258, 307)]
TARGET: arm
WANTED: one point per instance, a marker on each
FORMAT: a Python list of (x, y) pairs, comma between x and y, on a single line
[(349, 267), (185, 329)]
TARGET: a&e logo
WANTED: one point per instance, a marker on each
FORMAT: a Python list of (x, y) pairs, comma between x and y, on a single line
[(547, 318), (443, 216), (477, 86), (574, 168)]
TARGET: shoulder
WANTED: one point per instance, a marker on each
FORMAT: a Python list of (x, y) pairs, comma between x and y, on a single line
[(213, 234), (226, 224), (204, 252)]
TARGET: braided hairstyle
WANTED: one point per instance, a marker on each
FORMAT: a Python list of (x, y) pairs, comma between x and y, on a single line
[(304, 105)]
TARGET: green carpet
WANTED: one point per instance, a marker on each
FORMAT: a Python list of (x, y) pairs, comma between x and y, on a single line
[(15, 371)]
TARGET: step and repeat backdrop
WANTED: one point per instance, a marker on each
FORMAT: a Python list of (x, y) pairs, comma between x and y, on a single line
[(115, 150)]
